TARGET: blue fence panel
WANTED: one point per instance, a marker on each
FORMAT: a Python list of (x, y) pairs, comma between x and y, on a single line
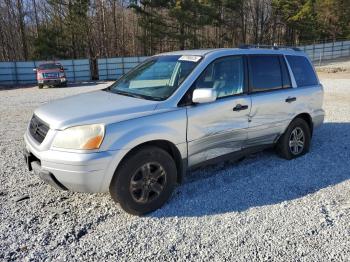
[(19, 73), (325, 51), (7, 73), (114, 68)]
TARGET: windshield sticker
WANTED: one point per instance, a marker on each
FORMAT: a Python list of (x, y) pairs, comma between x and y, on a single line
[(191, 58)]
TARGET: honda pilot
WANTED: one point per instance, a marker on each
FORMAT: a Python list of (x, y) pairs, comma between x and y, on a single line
[(175, 111)]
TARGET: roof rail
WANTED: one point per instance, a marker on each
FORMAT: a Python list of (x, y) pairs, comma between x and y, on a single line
[(275, 47)]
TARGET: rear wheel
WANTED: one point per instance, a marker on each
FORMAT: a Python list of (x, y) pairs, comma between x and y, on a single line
[(144, 181), (295, 141)]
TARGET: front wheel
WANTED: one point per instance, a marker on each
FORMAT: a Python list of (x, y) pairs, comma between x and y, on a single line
[(40, 86), (144, 181), (295, 141)]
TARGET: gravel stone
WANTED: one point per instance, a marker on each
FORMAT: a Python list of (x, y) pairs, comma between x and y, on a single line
[(261, 208), (21, 198)]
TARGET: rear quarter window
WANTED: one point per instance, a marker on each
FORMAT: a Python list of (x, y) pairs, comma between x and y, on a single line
[(302, 70)]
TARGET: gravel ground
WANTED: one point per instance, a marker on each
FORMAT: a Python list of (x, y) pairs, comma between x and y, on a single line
[(262, 208), (338, 65)]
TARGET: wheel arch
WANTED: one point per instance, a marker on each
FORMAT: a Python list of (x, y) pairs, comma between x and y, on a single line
[(169, 147), (308, 119)]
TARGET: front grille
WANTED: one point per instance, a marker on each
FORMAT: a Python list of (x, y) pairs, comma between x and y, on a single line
[(38, 129), (50, 75)]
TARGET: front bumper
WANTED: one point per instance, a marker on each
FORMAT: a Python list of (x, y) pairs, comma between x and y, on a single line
[(56, 81), (79, 172)]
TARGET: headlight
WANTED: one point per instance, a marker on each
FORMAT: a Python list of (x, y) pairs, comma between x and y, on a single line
[(80, 137)]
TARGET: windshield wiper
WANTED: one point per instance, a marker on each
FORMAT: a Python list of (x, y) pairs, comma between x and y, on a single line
[(141, 96), (119, 92), (127, 94)]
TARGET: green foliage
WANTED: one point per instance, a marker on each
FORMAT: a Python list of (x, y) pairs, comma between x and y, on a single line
[(66, 34), (184, 24), (334, 17), (313, 20), (176, 20), (47, 44)]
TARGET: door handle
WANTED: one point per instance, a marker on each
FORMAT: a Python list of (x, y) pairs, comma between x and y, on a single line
[(240, 107), (291, 99)]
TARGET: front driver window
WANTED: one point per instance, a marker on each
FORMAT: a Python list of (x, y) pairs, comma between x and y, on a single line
[(225, 75)]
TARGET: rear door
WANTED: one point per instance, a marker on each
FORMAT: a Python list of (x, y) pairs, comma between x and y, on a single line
[(309, 90), (274, 100), (220, 127)]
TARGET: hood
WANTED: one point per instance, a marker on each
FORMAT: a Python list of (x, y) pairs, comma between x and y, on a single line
[(93, 108), (56, 70)]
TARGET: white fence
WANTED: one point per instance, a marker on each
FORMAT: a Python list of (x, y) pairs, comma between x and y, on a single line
[(19, 73)]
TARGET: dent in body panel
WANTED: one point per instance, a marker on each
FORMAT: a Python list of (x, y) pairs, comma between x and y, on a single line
[(214, 129), (270, 115), (265, 134), (212, 146)]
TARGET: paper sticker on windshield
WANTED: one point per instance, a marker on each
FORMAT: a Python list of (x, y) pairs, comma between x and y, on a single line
[(190, 58)]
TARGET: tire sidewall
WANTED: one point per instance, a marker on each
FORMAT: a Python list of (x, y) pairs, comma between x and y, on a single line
[(307, 138), (119, 187)]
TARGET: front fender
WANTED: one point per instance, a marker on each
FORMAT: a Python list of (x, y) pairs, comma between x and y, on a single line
[(169, 125), (139, 136), (122, 137)]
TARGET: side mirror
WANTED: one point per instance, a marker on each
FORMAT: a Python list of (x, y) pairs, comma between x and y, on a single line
[(34, 70), (204, 95)]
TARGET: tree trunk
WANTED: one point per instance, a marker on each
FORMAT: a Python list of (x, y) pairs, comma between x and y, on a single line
[(116, 47), (36, 17), (22, 29)]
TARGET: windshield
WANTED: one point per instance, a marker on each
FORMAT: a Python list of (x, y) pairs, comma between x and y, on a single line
[(156, 78), (49, 66)]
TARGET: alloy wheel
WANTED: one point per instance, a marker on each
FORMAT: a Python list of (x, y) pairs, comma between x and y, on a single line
[(147, 183), (296, 141)]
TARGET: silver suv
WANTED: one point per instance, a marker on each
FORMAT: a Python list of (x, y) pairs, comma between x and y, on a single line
[(175, 111)]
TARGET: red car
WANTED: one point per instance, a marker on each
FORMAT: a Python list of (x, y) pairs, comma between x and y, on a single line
[(51, 74)]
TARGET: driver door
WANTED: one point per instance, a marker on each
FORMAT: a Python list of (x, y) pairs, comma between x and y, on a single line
[(218, 128)]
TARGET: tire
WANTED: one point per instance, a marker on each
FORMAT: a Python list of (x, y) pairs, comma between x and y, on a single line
[(290, 148), (40, 86), (140, 176)]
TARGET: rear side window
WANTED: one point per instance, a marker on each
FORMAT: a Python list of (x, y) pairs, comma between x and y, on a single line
[(265, 72), (302, 70)]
